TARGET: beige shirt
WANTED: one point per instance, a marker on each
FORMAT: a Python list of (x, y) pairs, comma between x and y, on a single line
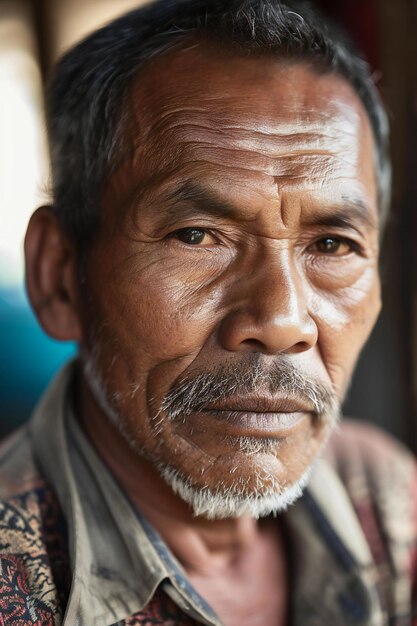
[(118, 560)]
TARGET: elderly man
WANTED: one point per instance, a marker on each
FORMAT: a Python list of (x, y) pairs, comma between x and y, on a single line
[(221, 179)]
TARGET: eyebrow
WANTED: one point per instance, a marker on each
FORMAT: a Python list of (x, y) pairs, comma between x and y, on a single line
[(192, 199), (351, 211), (195, 200)]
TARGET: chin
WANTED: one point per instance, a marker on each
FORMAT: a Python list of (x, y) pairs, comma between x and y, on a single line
[(233, 501), (252, 477)]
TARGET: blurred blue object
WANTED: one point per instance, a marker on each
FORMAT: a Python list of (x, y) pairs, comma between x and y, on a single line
[(28, 358)]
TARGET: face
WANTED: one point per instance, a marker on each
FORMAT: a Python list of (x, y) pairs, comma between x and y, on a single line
[(234, 279)]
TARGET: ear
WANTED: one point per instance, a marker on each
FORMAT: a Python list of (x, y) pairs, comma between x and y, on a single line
[(51, 276)]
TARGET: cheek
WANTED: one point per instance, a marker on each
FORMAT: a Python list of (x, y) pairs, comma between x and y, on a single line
[(345, 320), (159, 312)]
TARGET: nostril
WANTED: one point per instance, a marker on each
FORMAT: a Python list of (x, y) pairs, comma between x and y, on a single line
[(254, 345), (301, 346)]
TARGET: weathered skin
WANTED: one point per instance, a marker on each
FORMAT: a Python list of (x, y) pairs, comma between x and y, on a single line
[(287, 158)]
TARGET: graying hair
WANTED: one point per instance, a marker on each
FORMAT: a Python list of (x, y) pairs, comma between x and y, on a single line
[(194, 393)]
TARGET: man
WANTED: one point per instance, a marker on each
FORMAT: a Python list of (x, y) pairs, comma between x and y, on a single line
[(221, 180)]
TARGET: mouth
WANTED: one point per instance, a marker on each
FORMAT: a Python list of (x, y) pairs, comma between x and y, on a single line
[(258, 416)]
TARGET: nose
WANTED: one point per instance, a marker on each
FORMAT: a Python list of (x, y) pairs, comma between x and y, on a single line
[(270, 313)]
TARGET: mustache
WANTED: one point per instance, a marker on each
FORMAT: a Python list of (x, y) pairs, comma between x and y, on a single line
[(190, 394)]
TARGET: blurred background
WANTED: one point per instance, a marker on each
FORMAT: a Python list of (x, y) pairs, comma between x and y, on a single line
[(33, 33)]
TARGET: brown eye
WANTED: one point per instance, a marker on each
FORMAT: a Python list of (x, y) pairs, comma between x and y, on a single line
[(193, 236), (333, 245)]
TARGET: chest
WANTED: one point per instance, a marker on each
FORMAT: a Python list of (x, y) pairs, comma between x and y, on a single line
[(253, 591), (260, 603)]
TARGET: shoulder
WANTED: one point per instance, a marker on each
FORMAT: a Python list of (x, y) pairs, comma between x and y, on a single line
[(33, 552), (379, 473), (380, 478), (359, 450), (18, 468)]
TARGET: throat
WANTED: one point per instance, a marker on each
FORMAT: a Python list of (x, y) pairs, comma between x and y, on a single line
[(251, 585)]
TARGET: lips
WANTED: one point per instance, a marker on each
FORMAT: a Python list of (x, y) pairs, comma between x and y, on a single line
[(258, 416), (260, 404)]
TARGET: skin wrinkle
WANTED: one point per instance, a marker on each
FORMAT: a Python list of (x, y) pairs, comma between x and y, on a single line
[(190, 196), (249, 146), (154, 129), (359, 192), (358, 211), (263, 142), (319, 169)]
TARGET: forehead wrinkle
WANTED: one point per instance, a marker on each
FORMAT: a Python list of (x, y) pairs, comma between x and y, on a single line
[(215, 118), (194, 134), (214, 126), (182, 121), (287, 168), (163, 186), (220, 105), (251, 139), (217, 163), (273, 155)]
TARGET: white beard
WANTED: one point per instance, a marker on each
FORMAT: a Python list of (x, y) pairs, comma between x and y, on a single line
[(227, 501), (228, 504)]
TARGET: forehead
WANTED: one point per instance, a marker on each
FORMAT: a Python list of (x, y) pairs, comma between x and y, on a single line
[(201, 112)]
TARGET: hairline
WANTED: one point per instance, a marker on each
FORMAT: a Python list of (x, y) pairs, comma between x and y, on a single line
[(111, 100)]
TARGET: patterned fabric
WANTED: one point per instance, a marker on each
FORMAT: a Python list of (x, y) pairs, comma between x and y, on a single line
[(34, 570), (161, 610), (353, 537), (381, 480)]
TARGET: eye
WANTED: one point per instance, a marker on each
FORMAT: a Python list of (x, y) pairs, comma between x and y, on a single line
[(335, 246), (194, 236)]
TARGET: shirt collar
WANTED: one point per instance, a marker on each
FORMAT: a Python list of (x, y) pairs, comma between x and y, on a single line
[(118, 560)]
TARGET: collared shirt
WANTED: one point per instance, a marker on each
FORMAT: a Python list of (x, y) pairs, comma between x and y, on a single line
[(75, 551)]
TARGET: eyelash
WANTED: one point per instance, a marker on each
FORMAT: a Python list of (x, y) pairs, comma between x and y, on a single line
[(206, 231), (353, 245)]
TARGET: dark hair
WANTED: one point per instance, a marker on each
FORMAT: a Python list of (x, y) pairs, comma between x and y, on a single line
[(91, 84)]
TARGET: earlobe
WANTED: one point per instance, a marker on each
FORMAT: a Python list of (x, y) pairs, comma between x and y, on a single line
[(51, 276)]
